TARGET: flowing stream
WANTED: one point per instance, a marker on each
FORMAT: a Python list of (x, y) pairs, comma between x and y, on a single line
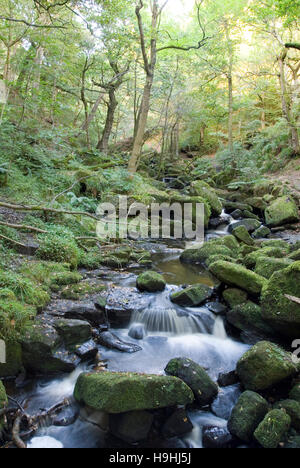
[(169, 332)]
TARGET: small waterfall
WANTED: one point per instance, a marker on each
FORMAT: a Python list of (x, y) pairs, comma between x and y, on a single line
[(219, 329), (168, 320)]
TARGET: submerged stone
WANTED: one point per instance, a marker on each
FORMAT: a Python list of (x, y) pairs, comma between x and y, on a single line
[(131, 427)]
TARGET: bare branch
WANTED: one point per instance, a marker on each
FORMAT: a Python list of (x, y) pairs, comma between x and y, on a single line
[(31, 25)]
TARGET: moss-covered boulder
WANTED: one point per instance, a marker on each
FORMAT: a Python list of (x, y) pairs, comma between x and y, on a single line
[(282, 211), (278, 307), (230, 242), (292, 408), (114, 392), (266, 266), (193, 296), (295, 255), (65, 278), (201, 255), (13, 364), (248, 317), (264, 366), (272, 252), (236, 275), (41, 353), (261, 232), (234, 297), (231, 206), (205, 390), (273, 429), (150, 281), (257, 203), (247, 414), (243, 235), (73, 332), (202, 189), (194, 201), (250, 224), (295, 393)]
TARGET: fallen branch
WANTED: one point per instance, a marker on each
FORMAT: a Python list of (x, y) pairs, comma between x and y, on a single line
[(46, 210), (293, 298), (16, 433), (8, 239), (23, 227)]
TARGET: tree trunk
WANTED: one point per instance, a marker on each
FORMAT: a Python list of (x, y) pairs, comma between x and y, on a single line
[(141, 128), (294, 136), (112, 106), (149, 65), (230, 87)]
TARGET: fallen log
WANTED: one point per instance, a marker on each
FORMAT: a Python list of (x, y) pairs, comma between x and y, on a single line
[(293, 298)]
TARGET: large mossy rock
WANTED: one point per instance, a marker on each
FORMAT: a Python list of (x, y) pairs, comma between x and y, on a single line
[(114, 392), (150, 281), (41, 354), (14, 363), (278, 307), (266, 266), (282, 211), (234, 297), (243, 235), (193, 296), (248, 413), (73, 332), (292, 408), (250, 224), (248, 317), (194, 201), (202, 254), (273, 429), (205, 390), (264, 366), (202, 189), (237, 275)]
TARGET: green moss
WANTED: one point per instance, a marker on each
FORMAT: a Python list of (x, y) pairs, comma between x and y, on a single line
[(282, 211), (216, 258), (122, 392), (243, 235), (273, 429), (292, 408), (265, 365), (201, 255), (234, 297), (251, 259), (205, 390), (24, 289), (236, 275), (295, 255), (230, 242), (278, 310), (192, 296), (266, 266), (150, 281), (276, 244), (248, 413), (66, 278), (90, 260), (14, 318), (3, 396), (248, 316), (202, 189), (183, 199), (59, 249), (261, 233)]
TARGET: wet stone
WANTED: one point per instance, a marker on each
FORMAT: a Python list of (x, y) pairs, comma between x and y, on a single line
[(217, 437), (216, 308), (112, 341)]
